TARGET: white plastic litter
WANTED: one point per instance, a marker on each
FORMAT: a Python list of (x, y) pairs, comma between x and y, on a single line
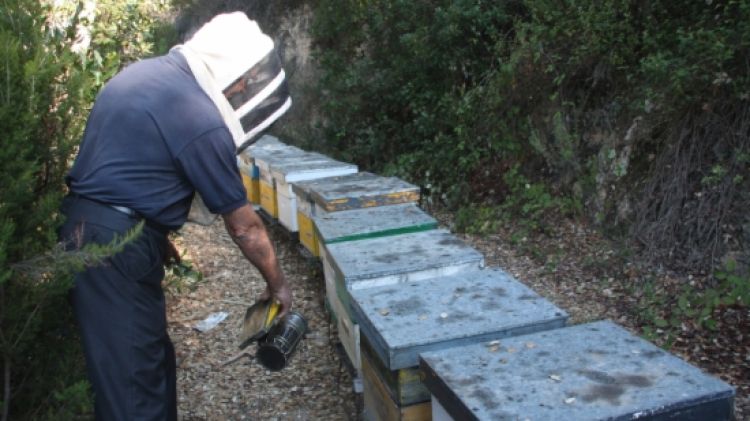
[(211, 321)]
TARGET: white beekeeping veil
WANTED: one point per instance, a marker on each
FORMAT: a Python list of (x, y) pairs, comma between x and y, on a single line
[(235, 63)]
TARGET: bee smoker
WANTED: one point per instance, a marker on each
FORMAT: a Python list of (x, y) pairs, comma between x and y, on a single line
[(275, 349)]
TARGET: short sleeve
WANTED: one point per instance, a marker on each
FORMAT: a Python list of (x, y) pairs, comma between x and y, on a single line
[(210, 164)]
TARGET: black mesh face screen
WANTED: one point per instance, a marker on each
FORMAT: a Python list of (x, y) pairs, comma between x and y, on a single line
[(252, 82)]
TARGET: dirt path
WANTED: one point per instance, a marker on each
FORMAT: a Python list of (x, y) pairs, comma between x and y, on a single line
[(316, 385), (572, 266)]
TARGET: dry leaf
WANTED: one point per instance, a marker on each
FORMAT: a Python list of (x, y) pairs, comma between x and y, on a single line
[(384, 311)]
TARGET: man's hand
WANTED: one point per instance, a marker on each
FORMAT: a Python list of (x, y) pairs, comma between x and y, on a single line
[(249, 233), (282, 296)]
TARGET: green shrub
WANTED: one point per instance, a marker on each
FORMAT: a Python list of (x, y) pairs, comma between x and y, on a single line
[(46, 90), (588, 98)]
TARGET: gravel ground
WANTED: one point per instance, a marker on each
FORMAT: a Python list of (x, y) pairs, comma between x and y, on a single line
[(571, 265), (316, 385)]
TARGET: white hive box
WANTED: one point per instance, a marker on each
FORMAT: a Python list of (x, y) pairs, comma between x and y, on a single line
[(361, 224), (390, 261), (287, 172), (353, 191), (397, 323), (263, 160), (265, 143)]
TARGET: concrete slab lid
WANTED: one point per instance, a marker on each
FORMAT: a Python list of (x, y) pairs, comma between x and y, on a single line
[(385, 256), (360, 184), (267, 157), (290, 169), (332, 188), (306, 187), (404, 320), (265, 142), (344, 225), (593, 371)]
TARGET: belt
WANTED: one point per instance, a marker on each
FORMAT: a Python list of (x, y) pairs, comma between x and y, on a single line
[(163, 229), (123, 209)]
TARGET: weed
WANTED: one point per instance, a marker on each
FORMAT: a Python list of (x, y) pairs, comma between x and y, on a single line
[(182, 277)]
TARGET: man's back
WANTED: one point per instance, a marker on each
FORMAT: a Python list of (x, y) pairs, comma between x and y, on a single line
[(140, 135)]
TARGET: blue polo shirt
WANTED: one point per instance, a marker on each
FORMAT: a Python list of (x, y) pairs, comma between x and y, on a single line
[(152, 139)]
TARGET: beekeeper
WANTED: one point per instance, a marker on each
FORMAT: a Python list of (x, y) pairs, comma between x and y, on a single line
[(160, 131)]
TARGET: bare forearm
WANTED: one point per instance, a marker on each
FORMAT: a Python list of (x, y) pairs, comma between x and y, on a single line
[(250, 235), (258, 249)]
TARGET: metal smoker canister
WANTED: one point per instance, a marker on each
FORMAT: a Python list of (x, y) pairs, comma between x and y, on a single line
[(275, 349)]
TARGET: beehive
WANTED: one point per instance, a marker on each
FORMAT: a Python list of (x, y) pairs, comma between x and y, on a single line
[(360, 224), (355, 191), (361, 190), (595, 371), (262, 160), (365, 223), (244, 164), (389, 261), (265, 143), (310, 167), (380, 406), (399, 322)]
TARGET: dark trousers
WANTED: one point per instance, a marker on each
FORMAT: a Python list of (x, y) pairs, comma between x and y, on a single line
[(119, 306)]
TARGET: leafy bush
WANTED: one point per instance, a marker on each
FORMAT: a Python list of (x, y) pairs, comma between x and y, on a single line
[(591, 99), (45, 93), (697, 306), (405, 84)]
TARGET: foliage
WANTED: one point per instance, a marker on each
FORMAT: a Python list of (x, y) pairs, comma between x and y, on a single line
[(694, 305), (586, 98), (528, 204), (48, 84), (405, 85), (181, 277)]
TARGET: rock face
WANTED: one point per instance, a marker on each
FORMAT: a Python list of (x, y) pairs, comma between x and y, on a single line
[(289, 23)]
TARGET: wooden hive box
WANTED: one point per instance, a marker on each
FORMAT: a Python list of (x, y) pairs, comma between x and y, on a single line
[(365, 223), (305, 215), (388, 261), (244, 164), (399, 322), (594, 371), (265, 143), (311, 167), (380, 406), (355, 191), (263, 160)]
